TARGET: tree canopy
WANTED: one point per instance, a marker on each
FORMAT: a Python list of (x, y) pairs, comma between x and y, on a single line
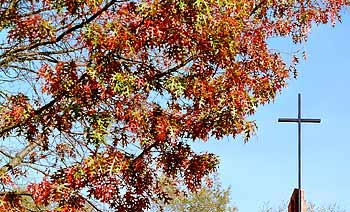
[(211, 197), (98, 98)]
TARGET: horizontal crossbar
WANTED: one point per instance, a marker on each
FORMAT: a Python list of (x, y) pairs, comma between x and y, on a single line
[(301, 120)]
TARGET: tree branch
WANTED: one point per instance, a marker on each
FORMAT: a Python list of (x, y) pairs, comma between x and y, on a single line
[(258, 6), (175, 68), (146, 150), (18, 158), (17, 193), (36, 112), (62, 35)]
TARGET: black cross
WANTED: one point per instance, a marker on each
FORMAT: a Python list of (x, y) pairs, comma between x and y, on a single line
[(299, 120)]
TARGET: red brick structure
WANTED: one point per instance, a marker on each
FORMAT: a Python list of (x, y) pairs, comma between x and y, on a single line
[(293, 203)]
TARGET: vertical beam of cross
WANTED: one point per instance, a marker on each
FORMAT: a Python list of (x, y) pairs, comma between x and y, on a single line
[(299, 120)]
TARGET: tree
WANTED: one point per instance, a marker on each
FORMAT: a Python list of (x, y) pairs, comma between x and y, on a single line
[(211, 197), (101, 97), (311, 207)]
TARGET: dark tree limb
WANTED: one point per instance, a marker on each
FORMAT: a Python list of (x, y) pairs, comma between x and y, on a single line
[(258, 6), (63, 34)]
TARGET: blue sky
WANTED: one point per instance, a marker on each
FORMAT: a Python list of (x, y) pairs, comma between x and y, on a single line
[(265, 169)]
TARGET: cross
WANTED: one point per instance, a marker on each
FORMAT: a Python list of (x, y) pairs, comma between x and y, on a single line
[(299, 120)]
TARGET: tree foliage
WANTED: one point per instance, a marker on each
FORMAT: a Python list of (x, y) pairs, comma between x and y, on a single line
[(98, 98), (211, 197)]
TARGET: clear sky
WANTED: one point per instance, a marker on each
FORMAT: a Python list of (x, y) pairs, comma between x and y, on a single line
[(265, 169)]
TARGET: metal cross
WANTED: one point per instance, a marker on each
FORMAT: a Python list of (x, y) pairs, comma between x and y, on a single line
[(299, 120)]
